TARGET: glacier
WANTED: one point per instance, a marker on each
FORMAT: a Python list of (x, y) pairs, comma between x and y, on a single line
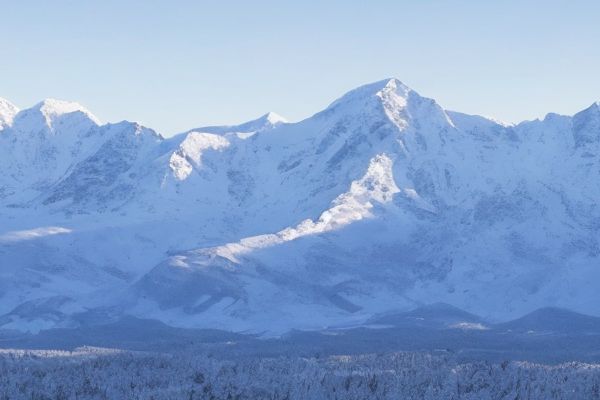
[(383, 202)]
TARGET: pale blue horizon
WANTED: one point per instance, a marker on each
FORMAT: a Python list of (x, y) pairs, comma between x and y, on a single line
[(177, 65)]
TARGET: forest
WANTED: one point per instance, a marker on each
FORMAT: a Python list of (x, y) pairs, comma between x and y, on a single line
[(98, 373)]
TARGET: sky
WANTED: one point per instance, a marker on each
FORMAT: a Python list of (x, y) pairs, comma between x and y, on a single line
[(175, 65)]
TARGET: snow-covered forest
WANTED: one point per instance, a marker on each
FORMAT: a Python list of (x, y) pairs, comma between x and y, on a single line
[(93, 373)]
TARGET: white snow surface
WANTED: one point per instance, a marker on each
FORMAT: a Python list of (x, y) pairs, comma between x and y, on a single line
[(16, 236), (382, 202), (7, 113)]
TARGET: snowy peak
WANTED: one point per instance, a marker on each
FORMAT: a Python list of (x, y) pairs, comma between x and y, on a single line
[(586, 125), (373, 93), (593, 111), (390, 100), (273, 118), (7, 113), (135, 129), (266, 122), (393, 86), (54, 115), (53, 107)]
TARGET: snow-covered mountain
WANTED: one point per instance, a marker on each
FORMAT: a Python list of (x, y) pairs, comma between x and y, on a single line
[(7, 113), (383, 202)]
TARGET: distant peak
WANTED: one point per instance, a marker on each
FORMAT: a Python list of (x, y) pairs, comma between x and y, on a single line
[(379, 89), (50, 113), (393, 83), (7, 112), (7, 104), (273, 118), (594, 106), (385, 85), (591, 111), (54, 107), (389, 84), (267, 121)]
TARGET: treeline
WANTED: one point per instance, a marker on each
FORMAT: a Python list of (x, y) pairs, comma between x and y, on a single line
[(103, 374)]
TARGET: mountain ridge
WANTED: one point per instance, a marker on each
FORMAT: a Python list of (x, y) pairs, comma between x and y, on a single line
[(382, 201)]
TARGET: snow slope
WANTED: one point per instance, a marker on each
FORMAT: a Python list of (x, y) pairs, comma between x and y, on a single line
[(383, 202), (7, 113)]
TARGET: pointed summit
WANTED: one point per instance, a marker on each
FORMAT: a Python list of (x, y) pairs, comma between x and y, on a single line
[(592, 110), (7, 113), (376, 91), (391, 100), (273, 118), (586, 125)]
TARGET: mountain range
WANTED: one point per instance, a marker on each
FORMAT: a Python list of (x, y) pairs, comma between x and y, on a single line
[(383, 202)]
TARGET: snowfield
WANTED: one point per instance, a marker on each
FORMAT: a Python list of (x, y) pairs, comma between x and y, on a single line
[(382, 203)]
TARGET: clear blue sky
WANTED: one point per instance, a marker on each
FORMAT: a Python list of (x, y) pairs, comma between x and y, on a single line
[(174, 65)]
